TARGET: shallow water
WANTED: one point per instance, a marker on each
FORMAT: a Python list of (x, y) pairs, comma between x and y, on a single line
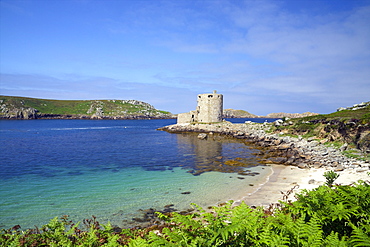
[(110, 169)]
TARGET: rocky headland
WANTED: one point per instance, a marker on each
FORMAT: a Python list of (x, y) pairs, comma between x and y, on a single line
[(275, 147), (31, 108)]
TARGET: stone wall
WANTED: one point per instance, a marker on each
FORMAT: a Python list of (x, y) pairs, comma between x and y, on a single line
[(187, 117)]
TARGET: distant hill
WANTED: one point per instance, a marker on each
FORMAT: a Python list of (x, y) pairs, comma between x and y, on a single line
[(231, 113), (31, 108), (290, 115)]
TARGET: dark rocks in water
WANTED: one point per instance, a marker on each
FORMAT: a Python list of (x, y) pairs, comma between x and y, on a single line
[(155, 168), (186, 192), (139, 219), (117, 229), (150, 218), (248, 173)]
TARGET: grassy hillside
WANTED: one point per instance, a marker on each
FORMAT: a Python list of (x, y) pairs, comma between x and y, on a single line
[(347, 127), (10, 106), (362, 114)]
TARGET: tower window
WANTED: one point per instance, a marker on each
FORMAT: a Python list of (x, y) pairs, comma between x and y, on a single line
[(210, 96)]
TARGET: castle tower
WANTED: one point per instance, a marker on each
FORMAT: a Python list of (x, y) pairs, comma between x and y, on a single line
[(210, 107)]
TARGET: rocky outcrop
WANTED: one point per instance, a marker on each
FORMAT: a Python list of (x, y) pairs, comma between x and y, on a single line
[(353, 131), (279, 149), (355, 106), (18, 113), (137, 102)]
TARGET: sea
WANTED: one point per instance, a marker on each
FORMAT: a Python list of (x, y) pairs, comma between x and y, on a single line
[(112, 169)]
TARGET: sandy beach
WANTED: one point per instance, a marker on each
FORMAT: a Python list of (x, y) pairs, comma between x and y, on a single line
[(284, 178)]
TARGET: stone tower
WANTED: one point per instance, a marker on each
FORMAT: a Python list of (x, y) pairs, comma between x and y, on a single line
[(209, 110), (210, 107)]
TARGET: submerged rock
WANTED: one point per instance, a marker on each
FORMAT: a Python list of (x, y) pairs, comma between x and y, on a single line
[(202, 136)]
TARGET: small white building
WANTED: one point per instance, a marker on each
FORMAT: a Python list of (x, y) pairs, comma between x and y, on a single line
[(209, 110)]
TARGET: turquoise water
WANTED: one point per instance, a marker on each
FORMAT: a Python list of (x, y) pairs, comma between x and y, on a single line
[(110, 169)]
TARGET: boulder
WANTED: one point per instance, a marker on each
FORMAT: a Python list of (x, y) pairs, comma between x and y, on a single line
[(339, 168), (303, 165), (278, 122), (202, 136)]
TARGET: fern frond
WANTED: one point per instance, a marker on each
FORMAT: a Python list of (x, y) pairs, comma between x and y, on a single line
[(361, 235), (332, 240), (186, 221), (138, 242)]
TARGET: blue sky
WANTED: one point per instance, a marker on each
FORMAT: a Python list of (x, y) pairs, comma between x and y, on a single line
[(264, 56)]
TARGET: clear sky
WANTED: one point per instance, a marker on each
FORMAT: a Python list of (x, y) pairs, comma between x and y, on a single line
[(264, 56)]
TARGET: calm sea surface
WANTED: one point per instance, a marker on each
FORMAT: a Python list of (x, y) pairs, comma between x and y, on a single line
[(110, 169)]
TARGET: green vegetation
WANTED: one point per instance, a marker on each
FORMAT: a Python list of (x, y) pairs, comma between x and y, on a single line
[(330, 177), (344, 116), (330, 215), (78, 107)]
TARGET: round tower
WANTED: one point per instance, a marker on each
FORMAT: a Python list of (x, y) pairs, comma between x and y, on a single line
[(210, 107)]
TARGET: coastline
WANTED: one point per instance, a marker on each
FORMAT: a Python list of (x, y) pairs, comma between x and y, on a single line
[(296, 163), (265, 191)]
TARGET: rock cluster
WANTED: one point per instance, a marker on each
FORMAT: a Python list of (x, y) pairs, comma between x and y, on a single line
[(355, 106), (352, 131), (278, 149), (149, 217), (18, 113), (137, 102)]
